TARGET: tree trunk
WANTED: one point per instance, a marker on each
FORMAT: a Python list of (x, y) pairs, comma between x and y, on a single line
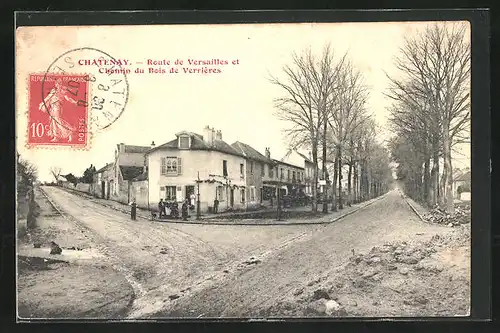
[(356, 181), (427, 187), (434, 175), (325, 191), (450, 208), (314, 202), (349, 184), (334, 185), (339, 158)]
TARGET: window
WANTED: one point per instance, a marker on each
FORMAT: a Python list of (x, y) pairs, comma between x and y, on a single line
[(184, 142), (171, 166), (220, 193), (251, 167), (271, 172), (252, 193), (262, 170), (224, 168), (288, 175), (293, 176), (242, 195), (281, 173), (242, 171), (170, 193)]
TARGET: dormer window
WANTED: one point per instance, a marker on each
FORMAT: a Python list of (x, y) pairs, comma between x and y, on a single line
[(184, 142)]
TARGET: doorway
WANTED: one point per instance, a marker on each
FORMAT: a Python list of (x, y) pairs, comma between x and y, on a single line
[(189, 191), (103, 189), (231, 198)]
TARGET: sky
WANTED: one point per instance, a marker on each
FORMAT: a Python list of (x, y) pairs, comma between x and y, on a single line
[(238, 101)]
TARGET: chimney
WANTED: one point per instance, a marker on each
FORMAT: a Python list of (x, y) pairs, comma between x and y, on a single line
[(268, 153), (208, 135), (121, 147), (218, 135), (152, 144)]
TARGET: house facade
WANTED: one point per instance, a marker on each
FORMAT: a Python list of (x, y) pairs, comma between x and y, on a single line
[(254, 171), (101, 184), (129, 163), (193, 163)]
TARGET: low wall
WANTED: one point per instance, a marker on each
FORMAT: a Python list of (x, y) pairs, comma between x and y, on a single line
[(81, 187)]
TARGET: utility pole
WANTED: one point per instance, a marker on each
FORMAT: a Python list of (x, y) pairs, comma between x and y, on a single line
[(198, 213)]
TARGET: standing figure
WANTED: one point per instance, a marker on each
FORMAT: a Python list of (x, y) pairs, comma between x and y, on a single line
[(133, 210), (216, 206), (53, 105), (160, 208), (193, 200), (185, 210)]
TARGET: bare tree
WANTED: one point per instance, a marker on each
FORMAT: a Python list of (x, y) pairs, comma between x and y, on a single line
[(346, 114), (56, 173), (436, 69), (307, 85)]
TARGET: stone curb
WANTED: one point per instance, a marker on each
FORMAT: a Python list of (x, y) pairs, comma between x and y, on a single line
[(211, 222), (412, 207)]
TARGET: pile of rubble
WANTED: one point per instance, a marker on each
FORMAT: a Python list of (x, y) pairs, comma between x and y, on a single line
[(462, 215)]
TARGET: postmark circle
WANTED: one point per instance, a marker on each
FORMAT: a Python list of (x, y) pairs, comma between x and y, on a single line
[(108, 89)]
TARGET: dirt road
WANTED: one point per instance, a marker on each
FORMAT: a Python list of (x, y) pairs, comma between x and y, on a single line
[(306, 261), (187, 270), (166, 261)]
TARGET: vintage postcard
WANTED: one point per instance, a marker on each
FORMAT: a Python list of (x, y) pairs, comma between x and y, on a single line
[(243, 170)]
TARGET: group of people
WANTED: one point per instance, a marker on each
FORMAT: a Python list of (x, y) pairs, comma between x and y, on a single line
[(171, 209)]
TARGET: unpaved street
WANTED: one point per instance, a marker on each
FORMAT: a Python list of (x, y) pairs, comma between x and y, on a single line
[(307, 261), (222, 270)]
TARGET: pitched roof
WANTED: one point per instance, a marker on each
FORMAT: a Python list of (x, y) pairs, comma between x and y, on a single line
[(134, 149), (466, 177), (304, 157), (197, 143), (130, 172), (249, 152), (142, 176), (288, 164), (104, 168)]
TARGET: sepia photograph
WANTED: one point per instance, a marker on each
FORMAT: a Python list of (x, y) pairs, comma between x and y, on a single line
[(256, 170)]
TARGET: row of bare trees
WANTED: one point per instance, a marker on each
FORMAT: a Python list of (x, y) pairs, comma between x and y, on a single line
[(430, 113), (324, 102)]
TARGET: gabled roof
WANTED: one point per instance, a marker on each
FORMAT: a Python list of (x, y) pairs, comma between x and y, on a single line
[(130, 172), (134, 149), (250, 153), (104, 168), (142, 176), (197, 143), (304, 157)]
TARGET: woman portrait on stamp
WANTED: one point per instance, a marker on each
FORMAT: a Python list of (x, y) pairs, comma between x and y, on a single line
[(53, 105)]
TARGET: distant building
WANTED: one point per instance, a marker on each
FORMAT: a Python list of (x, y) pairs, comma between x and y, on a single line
[(100, 186), (462, 185), (129, 163), (254, 171), (178, 167)]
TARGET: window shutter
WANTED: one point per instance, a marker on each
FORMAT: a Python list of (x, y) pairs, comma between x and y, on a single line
[(179, 166), (163, 168)]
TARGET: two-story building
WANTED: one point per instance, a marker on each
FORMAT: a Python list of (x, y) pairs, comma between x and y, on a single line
[(255, 170), (193, 163), (288, 177)]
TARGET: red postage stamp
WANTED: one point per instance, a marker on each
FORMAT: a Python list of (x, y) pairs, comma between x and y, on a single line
[(58, 110)]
